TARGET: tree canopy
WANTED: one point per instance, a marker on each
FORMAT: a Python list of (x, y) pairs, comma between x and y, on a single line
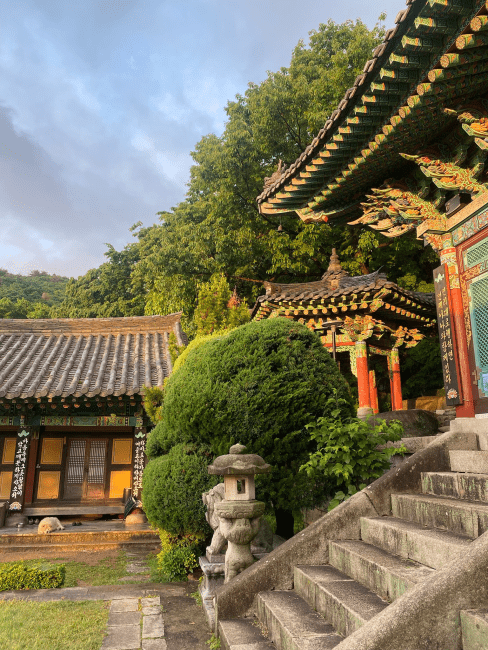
[(217, 231)]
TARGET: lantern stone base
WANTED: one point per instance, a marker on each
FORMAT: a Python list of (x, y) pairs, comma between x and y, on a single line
[(213, 577)]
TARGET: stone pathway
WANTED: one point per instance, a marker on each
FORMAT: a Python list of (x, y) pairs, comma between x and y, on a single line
[(137, 567), (135, 624)]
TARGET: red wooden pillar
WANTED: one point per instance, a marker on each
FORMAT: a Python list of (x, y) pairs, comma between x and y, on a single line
[(373, 392), (363, 379), (395, 380)]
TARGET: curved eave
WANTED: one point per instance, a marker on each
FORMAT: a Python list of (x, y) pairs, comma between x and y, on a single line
[(395, 101)]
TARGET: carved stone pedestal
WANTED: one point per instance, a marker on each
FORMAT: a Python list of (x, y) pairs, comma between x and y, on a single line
[(213, 577)]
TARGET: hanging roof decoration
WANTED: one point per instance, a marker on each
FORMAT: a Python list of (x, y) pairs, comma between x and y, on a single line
[(417, 88)]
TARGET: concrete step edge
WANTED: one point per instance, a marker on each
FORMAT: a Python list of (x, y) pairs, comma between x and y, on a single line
[(242, 634), (475, 462), (466, 486), (428, 546), (342, 601), (291, 623), (447, 513), (386, 575), (474, 628)]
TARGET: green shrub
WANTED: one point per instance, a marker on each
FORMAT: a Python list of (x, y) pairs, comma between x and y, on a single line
[(178, 563), (178, 556), (259, 385), (173, 485), (350, 453), (19, 575)]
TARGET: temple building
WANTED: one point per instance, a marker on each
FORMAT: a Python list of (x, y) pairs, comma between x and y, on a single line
[(405, 152), (72, 425), (356, 317)]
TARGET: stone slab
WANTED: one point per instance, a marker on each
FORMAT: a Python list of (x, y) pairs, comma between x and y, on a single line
[(344, 602), (154, 644), (123, 637), (151, 611), (433, 548), (125, 605), (474, 462), (387, 575), (455, 515), (124, 618), (474, 627), (152, 627), (151, 602), (290, 622)]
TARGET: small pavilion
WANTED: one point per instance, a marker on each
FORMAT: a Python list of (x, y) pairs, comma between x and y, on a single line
[(356, 317)]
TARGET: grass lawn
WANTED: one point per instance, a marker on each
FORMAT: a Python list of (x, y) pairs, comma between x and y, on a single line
[(52, 626)]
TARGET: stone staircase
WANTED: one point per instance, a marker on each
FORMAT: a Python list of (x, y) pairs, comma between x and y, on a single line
[(416, 549)]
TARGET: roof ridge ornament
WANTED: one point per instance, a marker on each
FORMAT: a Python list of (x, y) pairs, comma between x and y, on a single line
[(335, 264)]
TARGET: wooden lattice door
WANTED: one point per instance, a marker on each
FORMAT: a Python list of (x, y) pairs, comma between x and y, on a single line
[(86, 469)]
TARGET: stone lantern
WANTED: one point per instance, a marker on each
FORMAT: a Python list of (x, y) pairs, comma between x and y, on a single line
[(239, 513)]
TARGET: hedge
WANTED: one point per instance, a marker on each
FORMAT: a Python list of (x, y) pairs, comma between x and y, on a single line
[(19, 575)]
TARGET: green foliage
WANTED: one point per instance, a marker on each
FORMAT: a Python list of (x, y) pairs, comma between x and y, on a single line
[(174, 349), (259, 385), (153, 402), (178, 556), (178, 563), (218, 309), (106, 291), (347, 452), (173, 485), (213, 643), (19, 575), (37, 287)]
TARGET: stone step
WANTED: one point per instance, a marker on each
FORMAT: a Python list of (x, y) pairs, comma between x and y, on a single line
[(292, 624), (386, 575), (474, 462), (470, 425), (474, 625), (464, 517), (470, 487), (83, 547), (242, 634), (483, 441), (343, 602), (429, 546), (76, 536)]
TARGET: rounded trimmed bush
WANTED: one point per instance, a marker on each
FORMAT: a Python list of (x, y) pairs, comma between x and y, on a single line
[(173, 485), (259, 385)]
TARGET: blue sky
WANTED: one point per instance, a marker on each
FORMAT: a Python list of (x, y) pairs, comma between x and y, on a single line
[(102, 101)]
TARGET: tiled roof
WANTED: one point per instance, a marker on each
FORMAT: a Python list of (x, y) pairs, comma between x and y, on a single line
[(338, 289), (85, 356), (437, 53)]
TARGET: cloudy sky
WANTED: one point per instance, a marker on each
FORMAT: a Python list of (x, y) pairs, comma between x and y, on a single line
[(101, 102)]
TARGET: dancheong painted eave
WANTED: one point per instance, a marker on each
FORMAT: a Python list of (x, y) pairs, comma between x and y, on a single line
[(436, 53), (57, 358)]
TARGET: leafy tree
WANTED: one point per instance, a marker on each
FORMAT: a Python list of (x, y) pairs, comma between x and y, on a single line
[(105, 291), (258, 385), (218, 309)]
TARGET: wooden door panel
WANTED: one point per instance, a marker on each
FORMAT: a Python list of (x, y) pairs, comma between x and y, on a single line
[(97, 462), (75, 470)]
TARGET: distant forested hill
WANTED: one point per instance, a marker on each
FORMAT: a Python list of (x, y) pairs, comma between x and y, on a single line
[(30, 296)]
